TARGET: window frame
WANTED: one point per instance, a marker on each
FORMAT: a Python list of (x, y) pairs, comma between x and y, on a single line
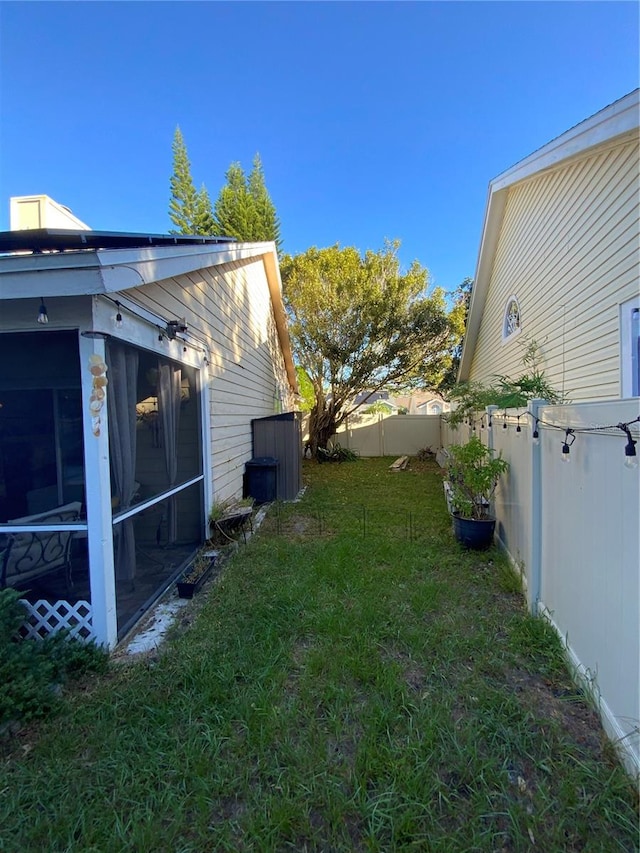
[(630, 348), (510, 335)]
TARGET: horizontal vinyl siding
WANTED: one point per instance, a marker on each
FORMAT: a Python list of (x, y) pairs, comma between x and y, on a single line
[(230, 307), (568, 251)]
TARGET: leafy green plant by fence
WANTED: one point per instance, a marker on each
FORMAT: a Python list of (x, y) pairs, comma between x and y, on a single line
[(504, 392), (336, 453), (473, 473)]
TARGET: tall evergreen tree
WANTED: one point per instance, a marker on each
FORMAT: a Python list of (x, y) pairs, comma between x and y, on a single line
[(234, 210), (267, 222), (204, 222), (244, 209), (182, 207)]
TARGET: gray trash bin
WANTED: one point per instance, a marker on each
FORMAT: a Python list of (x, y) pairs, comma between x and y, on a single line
[(262, 478)]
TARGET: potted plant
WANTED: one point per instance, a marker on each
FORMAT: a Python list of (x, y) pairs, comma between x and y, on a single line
[(229, 515), (473, 472), (196, 573)]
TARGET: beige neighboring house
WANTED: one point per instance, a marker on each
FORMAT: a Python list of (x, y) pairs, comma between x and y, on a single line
[(559, 262), (423, 403), (433, 406), (131, 369)]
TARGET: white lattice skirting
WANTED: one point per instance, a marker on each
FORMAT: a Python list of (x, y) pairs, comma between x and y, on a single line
[(47, 617)]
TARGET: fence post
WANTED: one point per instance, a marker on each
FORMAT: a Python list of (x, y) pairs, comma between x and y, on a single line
[(534, 585), (490, 410)]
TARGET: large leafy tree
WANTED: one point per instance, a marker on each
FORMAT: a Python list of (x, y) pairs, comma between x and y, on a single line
[(305, 389), (361, 323), (184, 198), (458, 316), (244, 208)]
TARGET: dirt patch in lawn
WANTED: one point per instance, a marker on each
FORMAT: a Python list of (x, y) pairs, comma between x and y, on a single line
[(414, 675), (296, 526), (567, 707)]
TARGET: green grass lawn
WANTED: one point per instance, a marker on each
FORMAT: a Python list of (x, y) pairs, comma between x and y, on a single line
[(352, 681)]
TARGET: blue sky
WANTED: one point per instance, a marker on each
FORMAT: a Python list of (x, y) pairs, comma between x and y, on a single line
[(373, 120)]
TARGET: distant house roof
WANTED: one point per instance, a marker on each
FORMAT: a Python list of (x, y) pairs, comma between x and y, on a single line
[(620, 119), (370, 397)]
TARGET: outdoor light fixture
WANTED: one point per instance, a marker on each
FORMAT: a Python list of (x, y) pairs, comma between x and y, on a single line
[(43, 317), (630, 455), (536, 435), (118, 320), (566, 447), (518, 428), (175, 326), (94, 335)]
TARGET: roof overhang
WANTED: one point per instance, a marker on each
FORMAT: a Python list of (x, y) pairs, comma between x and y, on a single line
[(91, 272), (610, 126), (95, 271)]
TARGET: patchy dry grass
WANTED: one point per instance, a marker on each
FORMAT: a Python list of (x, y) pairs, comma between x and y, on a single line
[(352, 682)]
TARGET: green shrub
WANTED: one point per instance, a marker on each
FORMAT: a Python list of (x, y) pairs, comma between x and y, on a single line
[(473, 473), (31, 671), (336, 453), (505, 392)]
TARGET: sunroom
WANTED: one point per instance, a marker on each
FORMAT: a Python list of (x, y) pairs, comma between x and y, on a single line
[(105, 422)]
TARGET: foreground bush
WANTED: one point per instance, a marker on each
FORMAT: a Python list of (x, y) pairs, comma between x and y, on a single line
[(32, 671)]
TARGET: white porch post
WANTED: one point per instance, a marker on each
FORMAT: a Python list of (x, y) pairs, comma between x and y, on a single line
[(207, 455), (98, 499)]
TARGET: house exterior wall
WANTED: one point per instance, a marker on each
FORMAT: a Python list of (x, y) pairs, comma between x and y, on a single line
[(230, 308), (568, 251)]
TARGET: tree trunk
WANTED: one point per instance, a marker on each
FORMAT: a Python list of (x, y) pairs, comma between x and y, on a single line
[(322, 426)]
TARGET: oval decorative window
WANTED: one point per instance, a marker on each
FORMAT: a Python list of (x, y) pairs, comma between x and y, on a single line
[(511, 322)]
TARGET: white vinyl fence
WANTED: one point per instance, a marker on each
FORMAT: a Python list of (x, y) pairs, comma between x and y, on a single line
[(572, 530), (389, 435)]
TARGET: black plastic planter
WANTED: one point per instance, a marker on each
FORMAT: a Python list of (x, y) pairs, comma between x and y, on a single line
[(187, 588), (474, 533)]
